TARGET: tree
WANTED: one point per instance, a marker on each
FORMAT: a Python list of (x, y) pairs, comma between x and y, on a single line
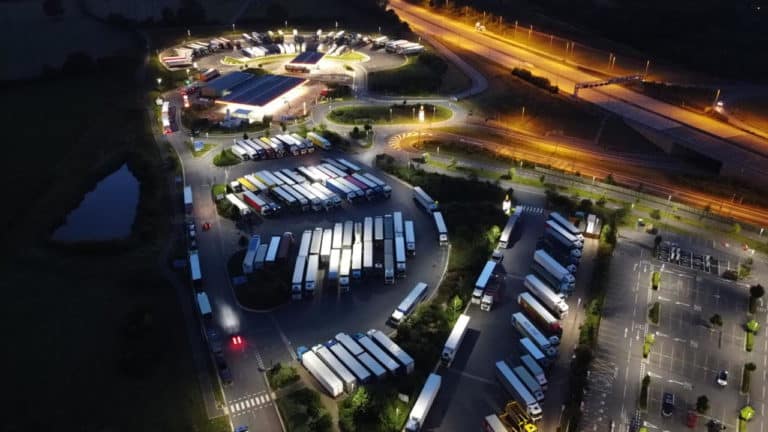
[(367, 127), (245, 135), (702, 404), (756, 291), (655, 214), (717, 320), (321, 424), (601, 201), (283, 126), (53, 8), (736, 228), (542, 178), (750, 367), (609, 179), (657, 241)]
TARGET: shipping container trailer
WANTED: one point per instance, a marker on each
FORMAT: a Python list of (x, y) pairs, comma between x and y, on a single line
[(409, 303), (421, 407), (310, 279), (330, 382), (453, 342), (341, 371), (482, 281), (405, 361), (350, 361), (297, 282)]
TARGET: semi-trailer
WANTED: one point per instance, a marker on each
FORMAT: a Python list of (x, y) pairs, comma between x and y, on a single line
[(400, 266), (424, 200), (397, 220), (491, 423), (453, 342), (314, 201), (490, 296), (549, 298), (372, 365), (389, 227), (482, 281), (351, 168), (333, 265), (297, 282), (188, 200), (240, 152), (341, 371), (552, 271), (375, 189), (350, 344), (358, 193), (253, 246), (368, 229), (517, 390), (286, 241), (530, 382), (348, 235), (568, 258), (378, 229), (565, 238), (410, 238), (529, 330), (257, 203), (567, 225), (345, 268), (261, 255), (325, 247), (306, 240), (204, 306), (274, 245), (338, 234), (357, 261), (386, 189), (368, 192), (539, 313), (317, 241), (442, 230), (409, 303), (341, 189), (374, 350), (255, 183), (367, 257), (319, 141), (423, 403), (389, 263), (310, 280), (361, 373), (535, 369), (249, 150), (284, 178), (286, 198), (509, 228), (406, 361), (330, 382), (532, 350)]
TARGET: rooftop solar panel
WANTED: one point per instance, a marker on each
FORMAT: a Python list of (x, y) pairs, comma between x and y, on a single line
[(228, 81), (262, 90), (307, 57)]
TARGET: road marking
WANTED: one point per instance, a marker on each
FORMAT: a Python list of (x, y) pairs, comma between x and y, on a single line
[(625, 332), (663, 298), (682, 304)]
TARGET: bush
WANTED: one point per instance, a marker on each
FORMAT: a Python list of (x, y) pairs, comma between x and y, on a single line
[(655, 312), (702, 404), (655, 280), (717, 320), (746, 376), (750, 342), (655, 214), (281, 376), (541, 82), (226, 158), (643, 402)]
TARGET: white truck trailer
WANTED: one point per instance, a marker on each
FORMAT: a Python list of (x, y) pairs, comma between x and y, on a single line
[(400, 266), (333, 265), (423, 403), (297, 282), (345, 268), (361, 373), (509, 228), (442, 230), (310, 280), (565, 223), (409, 303), (482, 281), (453, 342), (424, 200), (389, 263), (517, 389), (374, 350), (548, 298), (529, 330), (406, 361), (330, 382), (553, 272), (250, 254), (534, 369), (341, 371), (357, 261), (410, 238)]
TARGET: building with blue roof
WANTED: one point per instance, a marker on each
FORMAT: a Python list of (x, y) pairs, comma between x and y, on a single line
[(256, 95)]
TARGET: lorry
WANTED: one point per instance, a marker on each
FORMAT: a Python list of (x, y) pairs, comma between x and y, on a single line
[(317, 241), (345, 268), (338, 235), (530, 382), (442, 231), (406, 361), (410, 238), (491, 423), (423, 403), (285, 246), (539, 313), (389, 227), (385, 188), (424, 200), (400, 256), (330, 382), (350, 167), (242, 208), (357, 261), (535, 369), (563, 237), (541, 291), (257, 203), (195, 272), (341, 371), (367, 257), (372, 365), (491, 295), (482, 281), (368, 229), (517, 390), (319, 141), (188, 199), (551, 271), (568, 258), (348, 235), (532, 350), (341, 189), (453, 342), (567, 225), (310, 280), (374, 350), (350, 344), (378, 229), (389, 263), (397, 220), (274, 245), (360, 372), (374, 188), (409, 303), (333, 265), (306, 239), (204, 306), (527, 329), (325, 247), (261, 256), (297, 282), (250, 255), (509, 228)]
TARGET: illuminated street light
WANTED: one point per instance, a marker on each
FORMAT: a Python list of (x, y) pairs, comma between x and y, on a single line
[(390, 115), (421, 114), (233, 26), (159, 81), (189, 33)]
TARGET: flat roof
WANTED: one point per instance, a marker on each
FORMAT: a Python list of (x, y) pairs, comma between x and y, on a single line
[(308, 57), (226, 82), (261, 90)]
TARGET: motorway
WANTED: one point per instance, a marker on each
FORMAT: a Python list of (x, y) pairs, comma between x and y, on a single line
[(706, 134)]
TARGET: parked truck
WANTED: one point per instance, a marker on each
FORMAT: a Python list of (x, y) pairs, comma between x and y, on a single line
[(400, 257), (551, 271), (333, 265), (357, 261), (409, 303), (442, 230), (539, 314), (406, 362), (204, 306), (386, 189), (530, 382), (482, 281), (517, 390), (424, 200), (491, 295), (533, 350), (297, 282), (563, 237), (345, 268), (453, 342), (188, 203), (566, 224), (535, 369), (509, 228), (310, 280), (549, 298), (410, 238), (374, 350), (330, 382), (360, 372), (527, 329), (389, 262), (341, 371), (319, 141), (423, 403), (250, 254)]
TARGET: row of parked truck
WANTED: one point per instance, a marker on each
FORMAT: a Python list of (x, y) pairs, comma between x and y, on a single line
[(278, 146), (351, 250), (345, 362), (320, 187), (422, 198), (542, 307)]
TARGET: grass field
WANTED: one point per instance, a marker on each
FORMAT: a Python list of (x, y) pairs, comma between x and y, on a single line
[(422, 75), (753, 111), (381, 114), (99, 340)]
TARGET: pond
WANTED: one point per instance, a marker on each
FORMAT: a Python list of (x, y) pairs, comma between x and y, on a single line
[(106, 213)]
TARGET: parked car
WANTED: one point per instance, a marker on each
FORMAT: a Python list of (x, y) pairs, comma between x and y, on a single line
[(668, 404), (722, 378), (224, 373)]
